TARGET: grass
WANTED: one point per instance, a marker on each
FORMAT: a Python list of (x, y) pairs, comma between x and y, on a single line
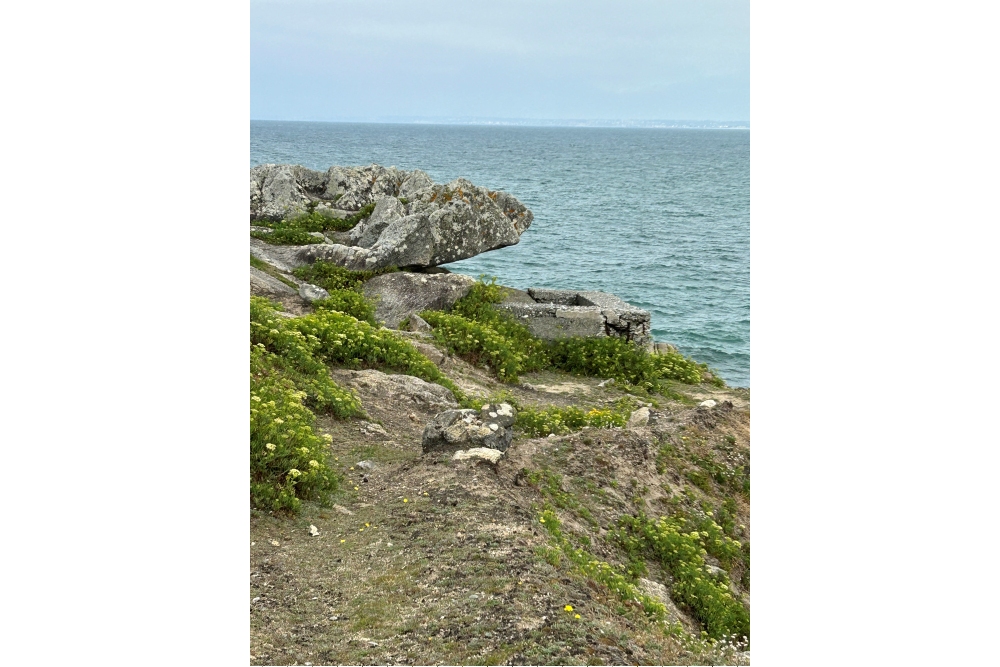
[(297, 230), (540, 422)]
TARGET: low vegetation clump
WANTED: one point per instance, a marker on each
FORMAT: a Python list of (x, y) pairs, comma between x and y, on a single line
[(297, 230), (483, 335), (332, 277), (287, 458), (344, 287), (350, 303), (681, 552), (541, 422)]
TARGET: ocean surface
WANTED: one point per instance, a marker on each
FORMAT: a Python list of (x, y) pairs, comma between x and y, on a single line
[(660, 217)]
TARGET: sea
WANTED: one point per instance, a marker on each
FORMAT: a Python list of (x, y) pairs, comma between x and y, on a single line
[(658, 216)]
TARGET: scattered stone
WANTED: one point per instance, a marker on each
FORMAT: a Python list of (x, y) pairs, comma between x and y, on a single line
[(366, 465), (480, 453), (606, 383), (639, 418), (714, 570), (469, 429), (373, 429), (312, 292), (275, 543), (343, 510), (402, 295), (313, 530), (707, 404)]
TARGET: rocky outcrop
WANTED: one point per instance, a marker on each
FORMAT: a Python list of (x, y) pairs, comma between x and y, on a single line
[(416, 223), (398, 296), (401, 389), (552, 314), (491, 427)]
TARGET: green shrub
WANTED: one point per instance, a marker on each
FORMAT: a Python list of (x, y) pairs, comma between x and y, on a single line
[(350, 303), (287, 458), (288, 372), (332, 277), (541, 422), (675, 366), (480, 334), (681, 552), (335, 338), (291, 355)]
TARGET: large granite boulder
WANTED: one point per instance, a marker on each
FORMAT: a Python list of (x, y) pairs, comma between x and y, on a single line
[(552, 314), (492, 427), (398, 296), (416, 223)]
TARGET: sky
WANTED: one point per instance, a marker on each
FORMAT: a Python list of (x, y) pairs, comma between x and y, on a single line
[(433, 60)]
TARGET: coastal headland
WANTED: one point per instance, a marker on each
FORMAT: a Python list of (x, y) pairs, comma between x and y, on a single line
[(448, 470)]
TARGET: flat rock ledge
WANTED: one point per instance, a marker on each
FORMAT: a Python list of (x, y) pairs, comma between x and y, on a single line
[(491, 427), (552, 314)]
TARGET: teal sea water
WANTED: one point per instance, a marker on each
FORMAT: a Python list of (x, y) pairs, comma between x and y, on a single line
[(660, 217)]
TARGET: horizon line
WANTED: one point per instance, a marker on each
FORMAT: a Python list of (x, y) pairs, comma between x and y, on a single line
[(531, 122)]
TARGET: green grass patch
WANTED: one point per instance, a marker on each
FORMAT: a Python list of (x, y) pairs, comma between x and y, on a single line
[(332, 277), (271, 271), (296, 230), (540, 422)]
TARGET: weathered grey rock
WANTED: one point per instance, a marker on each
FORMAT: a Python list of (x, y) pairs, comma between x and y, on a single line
[(417, 323), (401, 295), (707, 404), (262, 284), (437, 224), (366, 465), (312, 292), (659, 592), (491, 427), (282, 257), (639, 418), (552, 314), (403, 389), (663, 348), (280, 190)]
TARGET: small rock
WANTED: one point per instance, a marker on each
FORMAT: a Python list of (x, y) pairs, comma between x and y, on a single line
[(313, 530), (312, 292), (275, 543), (605, 383), (484, 453), (707, 404), (418, 324), (343, 510), (639, 418), (366, 465)]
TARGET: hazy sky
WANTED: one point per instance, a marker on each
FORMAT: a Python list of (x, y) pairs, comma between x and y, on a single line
[(378, 60)]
